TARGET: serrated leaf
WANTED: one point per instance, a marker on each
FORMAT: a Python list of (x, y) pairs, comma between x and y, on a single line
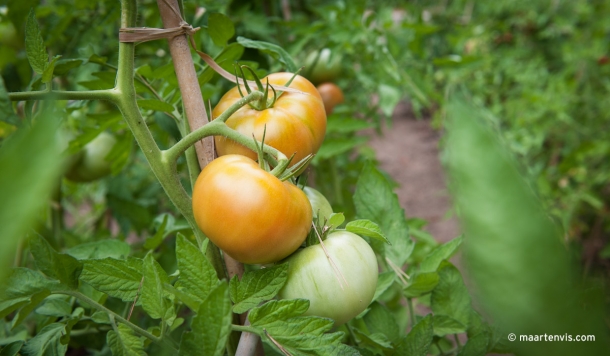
[(47, 341), (212, 325), (445, 325), (380, 320), (22, 284), (278, 310), (367, 228), (421, 283), (47, 75), (418, 340), (197, 276), (153, 296), (34, 45), (450, 297), (257, 286), (117, 278), (384, 281), (475, 346), (157, 105), (125, 342), (100, 249), (220, 28), (60, 266), (271, 49), (439, 254), (7, 114), (375, 200), (335, 220)]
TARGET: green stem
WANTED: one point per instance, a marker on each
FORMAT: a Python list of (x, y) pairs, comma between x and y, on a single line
[(106, 94), (411, 313)]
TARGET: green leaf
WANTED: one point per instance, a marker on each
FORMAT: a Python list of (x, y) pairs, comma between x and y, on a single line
[(47, 75), (418, 340), (47, 341), (257, 286), (63, 66), (440, 254), (450, 297), (7, 114), (117, 278), (212, 325), (21, 286), (34, 45), (220, 28), (278, 310), (332, 147), (335, 220), (271, 49), (445, 325), (11, 349), (379, 320), (34, 173), (33, 302), (375, 341), (367, 228), (384, 281), (475, 346), (197, 276), (346, 125), (124, 342), (157, 105), (153, 296), (375, 200), (56, 307), (100, 317), (421, 283), (388, 98), (60, 266), (100, 249), (154, 241)]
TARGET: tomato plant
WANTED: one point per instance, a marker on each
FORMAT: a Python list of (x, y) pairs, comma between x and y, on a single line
[(249, 213), (91, 162), (339, 296), (320, 206), (295, 124), (331, 95), (323, 66)]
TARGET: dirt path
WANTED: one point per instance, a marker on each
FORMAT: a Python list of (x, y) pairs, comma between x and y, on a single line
[(408, 151)]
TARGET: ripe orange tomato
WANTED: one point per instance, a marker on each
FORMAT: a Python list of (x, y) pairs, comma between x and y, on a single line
[(331, 95), (295, 124), (249, 213)]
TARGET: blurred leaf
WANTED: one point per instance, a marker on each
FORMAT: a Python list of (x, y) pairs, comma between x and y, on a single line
[(47, 341), (421, 283), (197, 276), (333, 147), (271, 49), (367, 228), (60, 266), (7, 114), (375, 200), (21, 286), (220, 28), (445, 325), (257, 286), (450, 297), (11, 349), (346, 125), (157, 105), (440, 254), (115, 249), (56, 307), (63, 66), (388, 98), (475, 346), (384, 281), (117, 278), (124, 342), (34, 45), (418, 340)]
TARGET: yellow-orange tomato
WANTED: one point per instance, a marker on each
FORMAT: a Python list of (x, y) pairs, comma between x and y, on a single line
[(295, 124), (331, 95), (249, 213)]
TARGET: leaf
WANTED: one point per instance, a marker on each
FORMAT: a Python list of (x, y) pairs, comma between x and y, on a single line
[(34, 173), (60, 266), (34, 45), (47, 75), (375, 200), (475, 346), (47, 341), (12, 349), (63, 66), (153, 296), (124, 342), (7, 114), (257, 286), (211, 327), (21, 286), (271, 49), (376, 341), (450, 297), (440, 254), (346, 125), (197, 276), (335, 220), (421, 283), (380, 320), (418, 340), (220, 28), (384, 281), (115, 249), (157, 105), (445, 325), (388, 98), (278, 310), (56, 307), (332, 147), (367, 228), (27, 308), (117, 278)]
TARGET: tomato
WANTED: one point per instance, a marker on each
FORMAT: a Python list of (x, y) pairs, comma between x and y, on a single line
[(310, 276), (295, 124), (249, 213), (319, 204), (331, 95), (326, 69), (91, 162)]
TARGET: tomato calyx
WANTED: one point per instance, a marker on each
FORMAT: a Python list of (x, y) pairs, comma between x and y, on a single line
[(266, 102)]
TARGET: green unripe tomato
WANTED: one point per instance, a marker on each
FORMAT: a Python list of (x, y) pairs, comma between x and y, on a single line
[(326, 69), (310, 276), (319, 204), (92, 164)]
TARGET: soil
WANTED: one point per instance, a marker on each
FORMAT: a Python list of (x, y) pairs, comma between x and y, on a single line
[(408, 151)]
